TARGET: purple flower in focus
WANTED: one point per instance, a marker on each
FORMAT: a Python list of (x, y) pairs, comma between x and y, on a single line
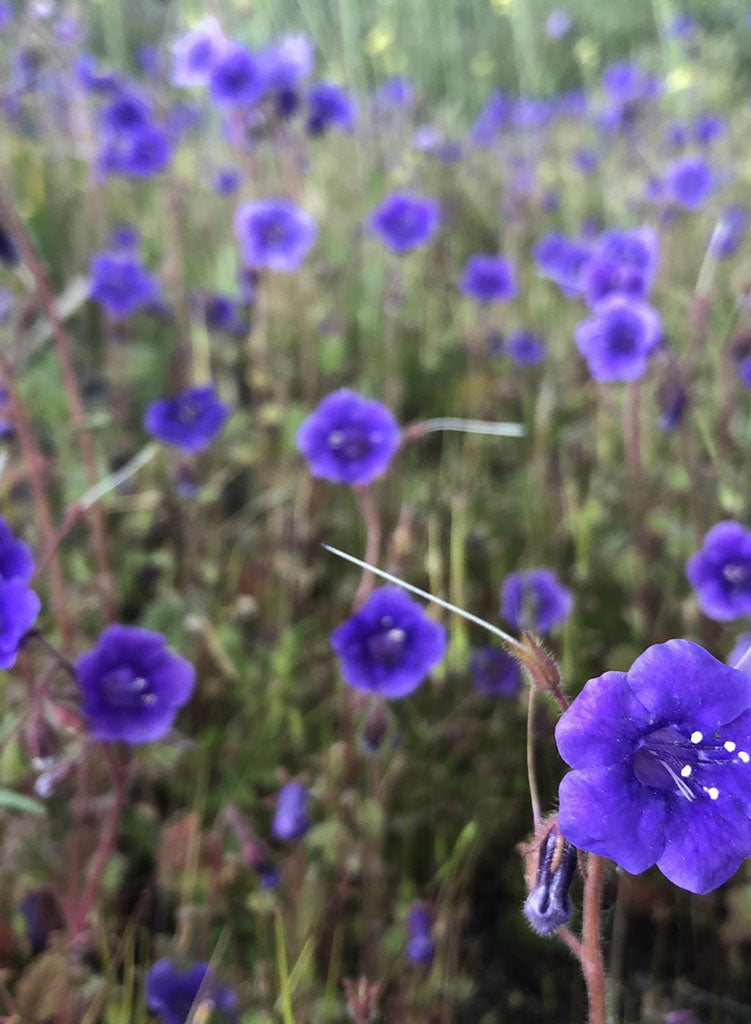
[(274, 234), (720, 572), (237, 78), (389, 645), (495, 672), (195, 993), (190, 420), (329, 106), (132, 685), (420, 947), (548, 905), (120, 284), (488, 279), (524, 348), (196, 53), (619, 338), (535, 600), (19, 608), (291, 819), (689, 182), (349, 439), (661, 766), (405, 221)]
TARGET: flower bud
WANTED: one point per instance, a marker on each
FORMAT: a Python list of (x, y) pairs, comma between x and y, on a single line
[(548, 905)]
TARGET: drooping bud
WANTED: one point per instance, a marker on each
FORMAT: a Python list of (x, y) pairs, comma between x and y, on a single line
[(548, 905), (542, 669)]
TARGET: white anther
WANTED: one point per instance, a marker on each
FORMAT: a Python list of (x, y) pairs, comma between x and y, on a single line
[(729, 746), (686, 771), (697, 737), (713, 792), (744, 756), (396, 635)]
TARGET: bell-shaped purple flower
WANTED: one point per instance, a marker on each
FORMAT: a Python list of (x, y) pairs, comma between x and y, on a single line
[(19, 608), (274, 234), (689, 182), (237, 78), (488, 279), (420, 945), (495, 672), (329, 106), (662, 766), (535, 600), (548, 905), (194, 994), (190, 420), (16, 560), (389, 645), (291, 820), (132, 685), (622, 262), (405, 221), (196, 53), (619, 338), (120, 284), (349, 439), (720, 572)]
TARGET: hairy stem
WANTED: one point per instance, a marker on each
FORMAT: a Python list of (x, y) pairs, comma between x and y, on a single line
[(592, 962)]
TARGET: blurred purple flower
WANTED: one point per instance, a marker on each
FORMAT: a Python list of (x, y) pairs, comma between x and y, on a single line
[(558, 24), (126, 113), (404, 221), (19, 608), (396, 93), (274, 234), (585, 159), (420, 945), (720, 572), (535, 600), (619, 338), (562, 260), (689, 182), (495, 672), (728, 232), (197, 52), (389, 645), (192, 994), (191, 420), (622, 262), (132, 685), (226, 181), (661, 771), (488, 279), (16, 560), (9, 256), (349, 439), (524, 348), (493, 117), (237, 78), (291, 819), (329, 106), (137, 154), (708, 127), (120, 284)]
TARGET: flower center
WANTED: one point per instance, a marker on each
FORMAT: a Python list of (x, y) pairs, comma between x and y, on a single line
[(189, 411), (686, 765), (622, 340), (349, 442), (125, 690), (388, 645), (737, 574)]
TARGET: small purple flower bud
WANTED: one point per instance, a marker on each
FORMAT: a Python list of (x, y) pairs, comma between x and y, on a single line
[(420, 945), (548, 905), (291, 819)]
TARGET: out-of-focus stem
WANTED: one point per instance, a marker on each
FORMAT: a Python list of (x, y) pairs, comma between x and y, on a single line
[(534, 794), (367, 503), (592, 962)]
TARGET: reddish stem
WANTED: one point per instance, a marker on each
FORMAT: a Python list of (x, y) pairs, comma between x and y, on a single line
[(592, 963), (367, 504)]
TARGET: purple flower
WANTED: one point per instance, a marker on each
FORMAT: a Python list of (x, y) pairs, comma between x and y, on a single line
[(132, 685), (728, 232), (226, 181), (16, 560), (237, 78), (274, 234), (190, 420), (128, 112), (492, 118), (720, 572), (689, 182), (396, 93), (349, 439), (488, 279), (223, 313), (619, 338), (194, 993), (405, 221), (548, 905), (19, 608), (661, 766), (289, 61), (562, 259), (329, 106), (291, 819), (558, 24), (120, 284), (524, 348), (141, 153), (197, 52), (389, 645), (535, 599), (622, 262), (707, 128), (495, 672), (8, 252), (420, 945)]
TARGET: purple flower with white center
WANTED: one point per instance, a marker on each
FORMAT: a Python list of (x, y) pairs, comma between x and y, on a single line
[(524, 348), (548, 905), (420, 947), (329, 106), (389, 645), (196, 53), (619, 338), (720, 572), (190, 420), (349, 439), (737, 657), (404, 221), (495, 672), (662, 775), (291, 820), (120, 284), (195, 993), (623, 262), (274, 234), (19, 608), (488, 279), (535, 600), (237, 78), (16, 560), (558, 24), (132, 685), (689, 182)]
